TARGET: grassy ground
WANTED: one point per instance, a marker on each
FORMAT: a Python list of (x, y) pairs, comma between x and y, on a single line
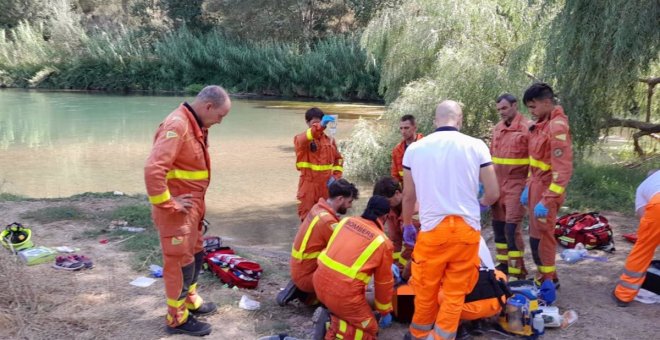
[(604, 187)]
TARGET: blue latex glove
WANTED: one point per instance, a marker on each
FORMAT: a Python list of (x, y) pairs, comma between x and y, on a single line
[(483, 208), (540, 210), (327, 119), (481, 190), (547, 292), (331, 180), (524, 197), (396, 273), (385, 320), (409, 235)]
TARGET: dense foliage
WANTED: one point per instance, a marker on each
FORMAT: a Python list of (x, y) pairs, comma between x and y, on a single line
[(591, 52), (171, 44)]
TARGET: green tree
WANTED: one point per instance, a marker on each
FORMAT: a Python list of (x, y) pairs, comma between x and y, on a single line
[(431, 50), (596, 53), (187, 12)]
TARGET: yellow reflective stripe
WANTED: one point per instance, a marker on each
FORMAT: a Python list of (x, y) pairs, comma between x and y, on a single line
[(358, 334), (300, 254), (309, 134), (547, 269), (501, 245), (403, 261), (197, 302), (515, 253), (539, 164), (158, 199), (193, 288), (511, 161), (396, 255), (187, 174), (556, 188), (338, 168), (567, 239), (401, 173), (343, 326), (184, 317), (315, 167), (382, 306), (514, 270), (502, 257), (175, 303), (353, 271)]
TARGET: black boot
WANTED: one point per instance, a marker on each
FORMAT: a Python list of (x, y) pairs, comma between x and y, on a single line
[(320, 317), (207, 308), (191, 327), (462, 333), (290, 293)]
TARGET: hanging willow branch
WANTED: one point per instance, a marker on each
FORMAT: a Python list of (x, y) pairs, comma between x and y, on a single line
[(651, 82)]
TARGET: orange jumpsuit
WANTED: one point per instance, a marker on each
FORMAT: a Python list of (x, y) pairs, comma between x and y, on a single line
[(358, 249), (511, 161), (451, 252), (648, 239), (397, 158), (480, 309), (312, 237), (317, 158), (551, 167), (179, 164)]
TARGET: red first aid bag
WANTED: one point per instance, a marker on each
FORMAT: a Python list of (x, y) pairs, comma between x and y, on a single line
[(232, 269), (591, 229)]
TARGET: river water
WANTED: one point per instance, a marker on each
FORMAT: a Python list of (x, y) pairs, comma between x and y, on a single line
[(56, 144)]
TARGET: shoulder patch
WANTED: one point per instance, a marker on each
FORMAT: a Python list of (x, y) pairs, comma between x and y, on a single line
[(561, 136), (171, 134)]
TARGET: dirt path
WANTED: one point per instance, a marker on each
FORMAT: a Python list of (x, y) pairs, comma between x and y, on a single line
[(100, 303)]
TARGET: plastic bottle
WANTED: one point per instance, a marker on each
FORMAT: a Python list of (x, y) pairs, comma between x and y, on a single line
[(538, 324)]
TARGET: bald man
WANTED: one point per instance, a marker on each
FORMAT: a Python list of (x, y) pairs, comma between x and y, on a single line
[(177, 176), (442, 172)]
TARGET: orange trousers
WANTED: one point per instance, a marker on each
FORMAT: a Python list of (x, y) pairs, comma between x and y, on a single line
[(445, 257), (340, 329), (182, 263), (648, 238), (309, 192), (542, 233), (476, 310)]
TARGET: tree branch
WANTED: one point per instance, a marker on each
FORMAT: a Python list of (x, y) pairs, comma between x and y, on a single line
[(644, 128)]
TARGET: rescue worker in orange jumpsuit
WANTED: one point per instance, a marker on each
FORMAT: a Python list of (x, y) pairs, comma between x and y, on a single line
[(408, 129), (358, 249), (445, 254), (317, 159), (312, 238), (647, 206), (389, 188), (551, 167), (486, 298), (511, 161), (177, 175)]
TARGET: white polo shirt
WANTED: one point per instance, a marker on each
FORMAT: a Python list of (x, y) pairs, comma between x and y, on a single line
[(445, 169), (646, 191)]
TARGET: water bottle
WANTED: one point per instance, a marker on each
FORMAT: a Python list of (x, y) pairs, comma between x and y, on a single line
[(538, 324)]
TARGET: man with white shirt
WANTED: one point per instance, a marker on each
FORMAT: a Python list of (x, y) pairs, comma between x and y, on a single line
[(442, 172), (647, 206)]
